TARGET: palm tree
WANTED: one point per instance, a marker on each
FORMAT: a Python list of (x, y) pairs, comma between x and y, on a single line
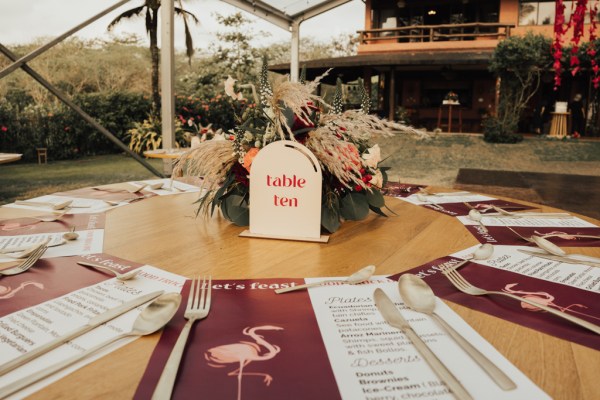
[(150, 10)]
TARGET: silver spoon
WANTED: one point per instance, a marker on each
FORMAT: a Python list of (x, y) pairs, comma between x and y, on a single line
[(54, 206), (422, 198), (551, 248), (476, 216), (152, 318), (50, 218), (417, 294), (71, 235), (359, 276), (120, 276), (483, 252)]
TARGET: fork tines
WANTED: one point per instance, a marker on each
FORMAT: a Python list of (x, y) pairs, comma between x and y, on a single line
[(200, 295), (27, 263)]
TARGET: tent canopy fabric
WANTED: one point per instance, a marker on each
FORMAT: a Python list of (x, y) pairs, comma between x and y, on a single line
[(288, 14)]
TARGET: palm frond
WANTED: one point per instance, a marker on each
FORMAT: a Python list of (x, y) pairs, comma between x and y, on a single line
[(134, 12)]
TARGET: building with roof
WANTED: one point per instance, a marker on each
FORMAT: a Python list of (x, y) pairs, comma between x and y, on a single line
[(415, 55)]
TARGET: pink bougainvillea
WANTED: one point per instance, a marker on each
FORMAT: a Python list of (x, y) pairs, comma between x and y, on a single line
[(577, 21)]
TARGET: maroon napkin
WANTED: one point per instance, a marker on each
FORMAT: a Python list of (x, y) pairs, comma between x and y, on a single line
[(32, 226), (503, 235), (581, 303), (51, 278), (397, 189), (460, 208), (275, 338)]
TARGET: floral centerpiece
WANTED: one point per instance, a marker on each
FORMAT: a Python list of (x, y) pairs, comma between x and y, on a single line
[(340, 140)]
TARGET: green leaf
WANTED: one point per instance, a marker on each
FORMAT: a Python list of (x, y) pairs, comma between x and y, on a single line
[(236, 210), (377, 210), (330, 218), (354, 206), (375, 199)]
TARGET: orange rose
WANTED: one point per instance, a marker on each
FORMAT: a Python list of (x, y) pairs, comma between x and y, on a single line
[(249, 157)]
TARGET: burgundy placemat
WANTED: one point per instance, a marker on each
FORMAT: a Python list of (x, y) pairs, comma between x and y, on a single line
[(459, 208), (503, 235), (32, 226), (51, 278), (243, 326), (397, 189), (581, 303)]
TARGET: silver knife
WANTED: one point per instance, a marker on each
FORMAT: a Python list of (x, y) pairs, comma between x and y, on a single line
[(564, 259), (392, 316), (91, 324)]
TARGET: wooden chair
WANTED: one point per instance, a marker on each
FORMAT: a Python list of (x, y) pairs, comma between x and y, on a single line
[(42, 153)]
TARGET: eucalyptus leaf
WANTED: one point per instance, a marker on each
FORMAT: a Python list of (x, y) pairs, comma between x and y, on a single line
[(354, 206), (378, 211), (375, 199), (236, 210), (330, 218)]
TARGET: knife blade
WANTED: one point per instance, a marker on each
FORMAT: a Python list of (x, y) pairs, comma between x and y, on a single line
[(392, 316), (564, 259), (93, 322)]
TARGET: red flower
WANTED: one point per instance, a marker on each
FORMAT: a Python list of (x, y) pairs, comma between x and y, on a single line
[(4, 128)]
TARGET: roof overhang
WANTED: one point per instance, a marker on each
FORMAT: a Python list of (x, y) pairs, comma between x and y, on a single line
[(352, 66)]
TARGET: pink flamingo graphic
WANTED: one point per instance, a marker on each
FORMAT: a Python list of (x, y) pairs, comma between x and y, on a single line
[(543, 298), (562, 235), (243, 353), (6, 292)]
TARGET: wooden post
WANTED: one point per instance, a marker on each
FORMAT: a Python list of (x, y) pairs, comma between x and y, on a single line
[(167, 70)]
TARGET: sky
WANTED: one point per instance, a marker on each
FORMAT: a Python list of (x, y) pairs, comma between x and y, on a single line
[(22, 21)]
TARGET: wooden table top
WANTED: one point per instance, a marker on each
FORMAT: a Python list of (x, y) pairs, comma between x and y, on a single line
[(9, 157), (166, 153), (164, 232)]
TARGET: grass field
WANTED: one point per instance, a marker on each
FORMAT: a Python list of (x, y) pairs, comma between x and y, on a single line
[(434, 161), (21, 181)]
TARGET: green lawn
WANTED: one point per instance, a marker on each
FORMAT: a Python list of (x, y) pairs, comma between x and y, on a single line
[(21, 181), (434, 161)]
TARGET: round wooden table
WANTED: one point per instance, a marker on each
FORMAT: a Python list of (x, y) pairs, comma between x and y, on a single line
[(164, 232)]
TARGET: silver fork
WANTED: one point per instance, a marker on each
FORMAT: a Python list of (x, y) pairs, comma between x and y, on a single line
[(198, 306), (466, 287), (27, 263)]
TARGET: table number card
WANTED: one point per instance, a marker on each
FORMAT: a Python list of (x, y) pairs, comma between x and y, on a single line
[(285, 193)]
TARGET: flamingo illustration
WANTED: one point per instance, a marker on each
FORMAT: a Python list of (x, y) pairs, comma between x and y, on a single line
[(6, 292), (543, 298), (243, 353)]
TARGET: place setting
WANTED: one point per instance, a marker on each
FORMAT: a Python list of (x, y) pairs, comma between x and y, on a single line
[(210, 366), (82, 321), (547, 296)]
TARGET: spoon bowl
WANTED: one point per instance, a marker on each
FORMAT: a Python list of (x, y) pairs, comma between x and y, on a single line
[(419, 296), (476, 216), (359, 276), (71, 235), (483, 252), (152, 318), (120, 276), (547, 245)]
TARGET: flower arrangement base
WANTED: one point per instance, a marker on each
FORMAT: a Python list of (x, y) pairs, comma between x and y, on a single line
[(322, 239)]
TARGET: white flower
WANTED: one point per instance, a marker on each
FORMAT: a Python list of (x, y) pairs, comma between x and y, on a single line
[(377, 179), (229, 89), (248, 137), (372, 156)]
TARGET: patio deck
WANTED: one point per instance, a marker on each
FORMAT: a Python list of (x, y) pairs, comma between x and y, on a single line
[(577, 193)]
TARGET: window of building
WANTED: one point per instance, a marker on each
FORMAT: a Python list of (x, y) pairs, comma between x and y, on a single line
[(387, 13), (542, 12)]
